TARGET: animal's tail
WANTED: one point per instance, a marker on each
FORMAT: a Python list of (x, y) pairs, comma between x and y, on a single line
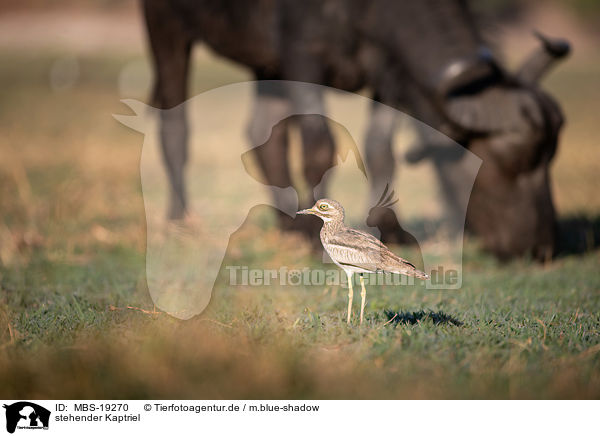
[(410, 270), (420, 274), (397, 265)]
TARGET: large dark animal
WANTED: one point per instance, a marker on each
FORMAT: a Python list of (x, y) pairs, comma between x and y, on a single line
[(423, 56)]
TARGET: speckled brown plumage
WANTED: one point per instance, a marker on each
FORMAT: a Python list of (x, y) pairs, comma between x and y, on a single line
[(355, 251)]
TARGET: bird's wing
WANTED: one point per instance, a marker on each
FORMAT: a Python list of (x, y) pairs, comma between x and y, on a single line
[(353, 248), (357, 248), (350, 257)]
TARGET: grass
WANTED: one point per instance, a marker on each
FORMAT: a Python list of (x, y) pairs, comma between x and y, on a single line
[(76, 319)]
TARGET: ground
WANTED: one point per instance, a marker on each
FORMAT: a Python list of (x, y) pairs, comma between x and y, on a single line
[(76, 320)]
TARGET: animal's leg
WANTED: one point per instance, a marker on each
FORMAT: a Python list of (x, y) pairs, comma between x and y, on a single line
[(302, 62), (381, 165), (174, 136), (317, 142), (363, 298), (268, 136), (317, 151), (171, 53), (451, 169), (378, 149), (318, 154), (350, 295)]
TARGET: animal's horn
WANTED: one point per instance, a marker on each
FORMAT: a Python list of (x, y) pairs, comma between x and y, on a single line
[(467, 71), (541, 60), (459, 88)]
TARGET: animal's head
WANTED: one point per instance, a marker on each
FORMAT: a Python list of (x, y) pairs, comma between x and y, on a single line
[(326, 209), (513, 126)]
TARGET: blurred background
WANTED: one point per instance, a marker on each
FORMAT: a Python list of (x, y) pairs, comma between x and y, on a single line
[(73, 239), (67, 64)]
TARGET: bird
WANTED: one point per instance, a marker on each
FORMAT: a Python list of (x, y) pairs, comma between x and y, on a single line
[(355, 251)]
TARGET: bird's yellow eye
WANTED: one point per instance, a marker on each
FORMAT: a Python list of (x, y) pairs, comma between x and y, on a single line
[(323, 206)]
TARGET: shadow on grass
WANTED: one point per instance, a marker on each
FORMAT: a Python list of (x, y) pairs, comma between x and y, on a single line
[(578, 235), (436, 318)]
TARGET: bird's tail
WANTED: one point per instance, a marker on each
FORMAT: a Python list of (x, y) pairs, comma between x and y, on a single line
[(410, 271), (397, 265), (421, 275)]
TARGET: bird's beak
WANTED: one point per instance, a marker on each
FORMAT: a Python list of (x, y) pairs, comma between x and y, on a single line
[(306, 212)]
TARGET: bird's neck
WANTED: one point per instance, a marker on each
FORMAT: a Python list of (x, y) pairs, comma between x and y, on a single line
[(332, 226)]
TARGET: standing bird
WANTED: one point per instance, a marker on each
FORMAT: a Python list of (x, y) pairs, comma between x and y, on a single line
[(355, 251)]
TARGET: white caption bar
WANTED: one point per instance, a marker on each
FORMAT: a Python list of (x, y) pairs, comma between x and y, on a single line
[(23, 417)]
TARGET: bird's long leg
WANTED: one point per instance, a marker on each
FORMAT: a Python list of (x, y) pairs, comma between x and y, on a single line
[(350, 295), (363, 296)]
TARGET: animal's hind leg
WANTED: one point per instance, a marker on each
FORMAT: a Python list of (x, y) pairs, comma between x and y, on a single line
[(381, 166), (268, 136), (378, 149), (318, 151), (171, 51), (318, 148), (451, 168), (174, 137)]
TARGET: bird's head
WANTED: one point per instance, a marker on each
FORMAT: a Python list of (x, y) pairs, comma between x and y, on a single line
[(326, 209)]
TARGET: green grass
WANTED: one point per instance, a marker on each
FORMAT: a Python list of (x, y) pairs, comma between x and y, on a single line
[(76, 320), (527, 332)]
